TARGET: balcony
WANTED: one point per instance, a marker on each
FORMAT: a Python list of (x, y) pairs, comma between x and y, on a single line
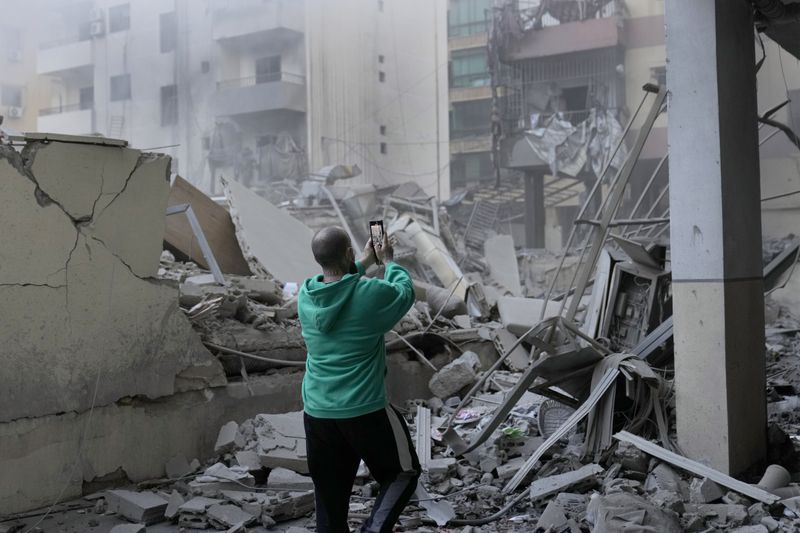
[(567, 37), (267, 92), (75, 119), (258, 23), (471, 144), (64, 55)]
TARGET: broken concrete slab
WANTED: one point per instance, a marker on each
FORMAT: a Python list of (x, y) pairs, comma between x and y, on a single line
[(504, 340), (544, 487), (281, 441), (198, 505), (144, 507), (248, 459), (223, 516), (521, 314), (228, 439), (273, 242), (217, 228), (455, 375), (82, 299), (173, 505), (552, 517), (628, 512), (285, 479), (502, 258), (704, 491)]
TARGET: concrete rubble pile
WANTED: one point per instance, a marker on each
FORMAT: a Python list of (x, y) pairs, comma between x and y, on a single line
[(533, 405)]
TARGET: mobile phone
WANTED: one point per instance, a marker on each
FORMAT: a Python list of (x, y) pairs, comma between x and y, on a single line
[(376, 234)]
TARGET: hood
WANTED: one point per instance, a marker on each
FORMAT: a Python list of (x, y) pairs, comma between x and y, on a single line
[(326, 300)]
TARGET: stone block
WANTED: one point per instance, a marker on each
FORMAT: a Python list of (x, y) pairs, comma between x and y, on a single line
[(285, 479), (455, 375), (173, 505), (144, 507), (281, 441)]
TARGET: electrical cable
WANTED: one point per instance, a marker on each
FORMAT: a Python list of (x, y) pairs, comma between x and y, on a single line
[(231, 351)]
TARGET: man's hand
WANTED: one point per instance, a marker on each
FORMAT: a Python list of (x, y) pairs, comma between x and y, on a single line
[(384, 250), (368, 258)]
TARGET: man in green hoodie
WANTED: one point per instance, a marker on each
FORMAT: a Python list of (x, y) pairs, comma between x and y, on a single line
[(344, 316)]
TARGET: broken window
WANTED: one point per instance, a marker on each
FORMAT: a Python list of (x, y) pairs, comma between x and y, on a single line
[(11, 96), (470, 69), (168, 31), (86, 97), (120, 87), (169, 105), (268, 69), (119, 18)]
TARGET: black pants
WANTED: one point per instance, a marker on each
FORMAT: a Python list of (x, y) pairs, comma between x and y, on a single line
[(335, 448)]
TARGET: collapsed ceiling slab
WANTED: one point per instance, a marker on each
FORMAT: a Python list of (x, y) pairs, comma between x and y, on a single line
[(273, 242), (87, 326)]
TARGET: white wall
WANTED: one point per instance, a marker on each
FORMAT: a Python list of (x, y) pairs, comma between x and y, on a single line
[(347, 104)]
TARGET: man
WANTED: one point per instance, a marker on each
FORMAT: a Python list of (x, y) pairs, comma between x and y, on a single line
[(344, 316)]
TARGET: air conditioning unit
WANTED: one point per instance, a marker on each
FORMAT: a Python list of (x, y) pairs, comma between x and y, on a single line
[(14, 111), (97, 28), (15, 56)]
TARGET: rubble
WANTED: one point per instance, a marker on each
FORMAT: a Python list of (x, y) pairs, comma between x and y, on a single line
[(455, 375), (143, 507)]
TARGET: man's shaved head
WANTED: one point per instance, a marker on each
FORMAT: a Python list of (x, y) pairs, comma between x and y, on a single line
[(330, 246)]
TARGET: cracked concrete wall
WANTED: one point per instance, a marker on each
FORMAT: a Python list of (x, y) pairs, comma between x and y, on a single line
[(41, 457), (84, 324)]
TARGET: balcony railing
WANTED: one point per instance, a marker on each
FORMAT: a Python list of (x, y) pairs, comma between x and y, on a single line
[(64, 109), (261, 78), (83, 36)]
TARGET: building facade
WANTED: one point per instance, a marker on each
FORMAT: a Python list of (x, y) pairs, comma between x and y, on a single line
[(232, 88)]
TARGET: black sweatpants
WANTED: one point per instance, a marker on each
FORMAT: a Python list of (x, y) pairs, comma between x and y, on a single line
[(335, 448)]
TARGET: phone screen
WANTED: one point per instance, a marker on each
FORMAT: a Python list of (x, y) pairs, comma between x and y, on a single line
[(376, 233)]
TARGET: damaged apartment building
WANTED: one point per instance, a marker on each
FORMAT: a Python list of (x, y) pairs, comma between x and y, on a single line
[(605, 332)]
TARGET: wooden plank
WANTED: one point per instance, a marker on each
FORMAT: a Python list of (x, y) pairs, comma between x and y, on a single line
[(650, 448), (217, 227)]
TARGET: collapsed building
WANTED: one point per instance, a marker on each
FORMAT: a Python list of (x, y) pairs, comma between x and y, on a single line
[(538, 387)]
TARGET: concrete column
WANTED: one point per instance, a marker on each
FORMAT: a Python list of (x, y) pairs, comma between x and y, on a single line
[(716, 233), (534, 209)]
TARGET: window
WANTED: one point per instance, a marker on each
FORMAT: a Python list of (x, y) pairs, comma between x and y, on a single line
[(205, 67), (168, 31), (380, 6), (119, 18), (120, 87), (169, 105), (470, 69), (384, 148), (11, 95), (381, 76), (380, 59), (206, 142), (268, 69), (470, 119), (467, 17), (383, 129), (87, 97)]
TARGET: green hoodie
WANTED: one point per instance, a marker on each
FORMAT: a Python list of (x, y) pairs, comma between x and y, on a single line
[(343, 325)]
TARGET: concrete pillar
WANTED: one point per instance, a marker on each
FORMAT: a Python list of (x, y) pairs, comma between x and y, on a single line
[(716, 233), (534, 209)]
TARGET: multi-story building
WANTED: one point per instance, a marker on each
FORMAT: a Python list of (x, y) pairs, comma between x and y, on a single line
[(233, 88), (19, 94), (470, 92)]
